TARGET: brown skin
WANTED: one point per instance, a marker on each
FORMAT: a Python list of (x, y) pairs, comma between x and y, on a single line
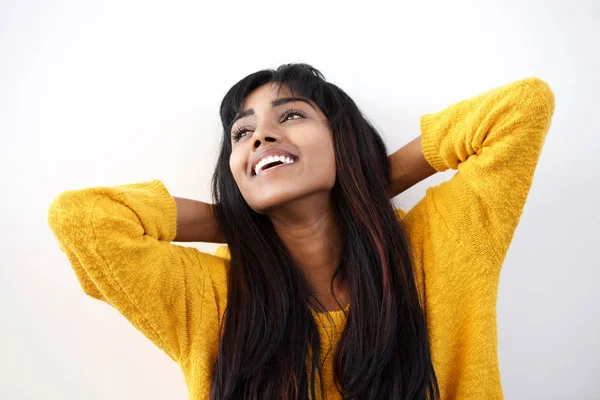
[(296, 197), (284, 193), (409, 167)]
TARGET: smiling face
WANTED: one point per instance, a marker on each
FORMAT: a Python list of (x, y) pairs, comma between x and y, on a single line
[(296, 134)]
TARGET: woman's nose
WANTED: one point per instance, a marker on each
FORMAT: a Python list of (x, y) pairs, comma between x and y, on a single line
[(258, 142), (264, 134)]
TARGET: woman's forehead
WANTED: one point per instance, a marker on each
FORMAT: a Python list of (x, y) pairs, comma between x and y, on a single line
[(265, 94), (271, 95)]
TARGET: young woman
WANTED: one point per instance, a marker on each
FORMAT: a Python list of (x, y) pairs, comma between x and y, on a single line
[(323, 290)]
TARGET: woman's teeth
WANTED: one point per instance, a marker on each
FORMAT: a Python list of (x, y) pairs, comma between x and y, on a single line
[(271, 159)]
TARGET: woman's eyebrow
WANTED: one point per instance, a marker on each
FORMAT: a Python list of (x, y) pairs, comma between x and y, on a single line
[(284, 100), (274, 103)]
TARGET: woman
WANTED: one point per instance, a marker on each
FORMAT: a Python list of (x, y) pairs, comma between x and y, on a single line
[(324, 290)]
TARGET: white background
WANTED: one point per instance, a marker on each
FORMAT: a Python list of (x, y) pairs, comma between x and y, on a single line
[(111, 92)]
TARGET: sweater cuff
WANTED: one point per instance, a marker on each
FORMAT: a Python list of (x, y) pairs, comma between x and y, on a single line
[(431, 135), (167, 203), (158, 207)]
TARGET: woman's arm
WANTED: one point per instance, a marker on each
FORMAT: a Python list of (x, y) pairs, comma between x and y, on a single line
[(409, 167), (117, 240), (196, 222), (494, 140)]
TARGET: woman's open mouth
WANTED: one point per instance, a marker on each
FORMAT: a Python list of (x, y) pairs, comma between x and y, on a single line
[(271, 163)]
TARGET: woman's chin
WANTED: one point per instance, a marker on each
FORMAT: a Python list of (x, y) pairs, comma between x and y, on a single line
[(270, 204)]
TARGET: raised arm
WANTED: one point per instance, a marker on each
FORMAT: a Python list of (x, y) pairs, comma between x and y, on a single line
[(118, 242), (494, 140)]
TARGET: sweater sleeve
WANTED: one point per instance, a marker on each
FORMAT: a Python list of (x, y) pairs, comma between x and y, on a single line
[(117, 240), (494, 140)]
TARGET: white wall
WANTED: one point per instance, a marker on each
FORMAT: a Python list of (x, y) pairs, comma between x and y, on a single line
[(102, 93)]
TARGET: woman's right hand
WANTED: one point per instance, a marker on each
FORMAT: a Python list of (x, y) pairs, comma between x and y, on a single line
[(196, 222)]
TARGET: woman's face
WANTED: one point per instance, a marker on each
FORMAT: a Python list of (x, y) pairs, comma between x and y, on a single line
[(272, 124)]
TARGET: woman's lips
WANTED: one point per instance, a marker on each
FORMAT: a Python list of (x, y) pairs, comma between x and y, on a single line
[(271, 160), (271, 152), (268, 171)]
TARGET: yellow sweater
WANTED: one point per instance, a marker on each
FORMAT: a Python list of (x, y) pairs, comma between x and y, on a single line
[(118, 241)]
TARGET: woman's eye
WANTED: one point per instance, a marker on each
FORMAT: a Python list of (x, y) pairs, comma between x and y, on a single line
[(238, 134), (293, 114)]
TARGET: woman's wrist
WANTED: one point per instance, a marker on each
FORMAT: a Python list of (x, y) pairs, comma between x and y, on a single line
[(196, 222), (408, 167)]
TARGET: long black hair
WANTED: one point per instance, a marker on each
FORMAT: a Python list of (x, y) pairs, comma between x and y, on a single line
[(269, 346)]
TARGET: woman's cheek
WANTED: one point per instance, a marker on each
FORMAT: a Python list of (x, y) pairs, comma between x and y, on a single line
[(236, 164)]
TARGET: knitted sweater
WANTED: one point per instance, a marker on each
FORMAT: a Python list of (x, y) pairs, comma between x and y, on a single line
[(118, 241)]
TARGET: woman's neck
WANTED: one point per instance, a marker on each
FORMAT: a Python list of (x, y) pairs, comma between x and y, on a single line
[(310, 233)]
